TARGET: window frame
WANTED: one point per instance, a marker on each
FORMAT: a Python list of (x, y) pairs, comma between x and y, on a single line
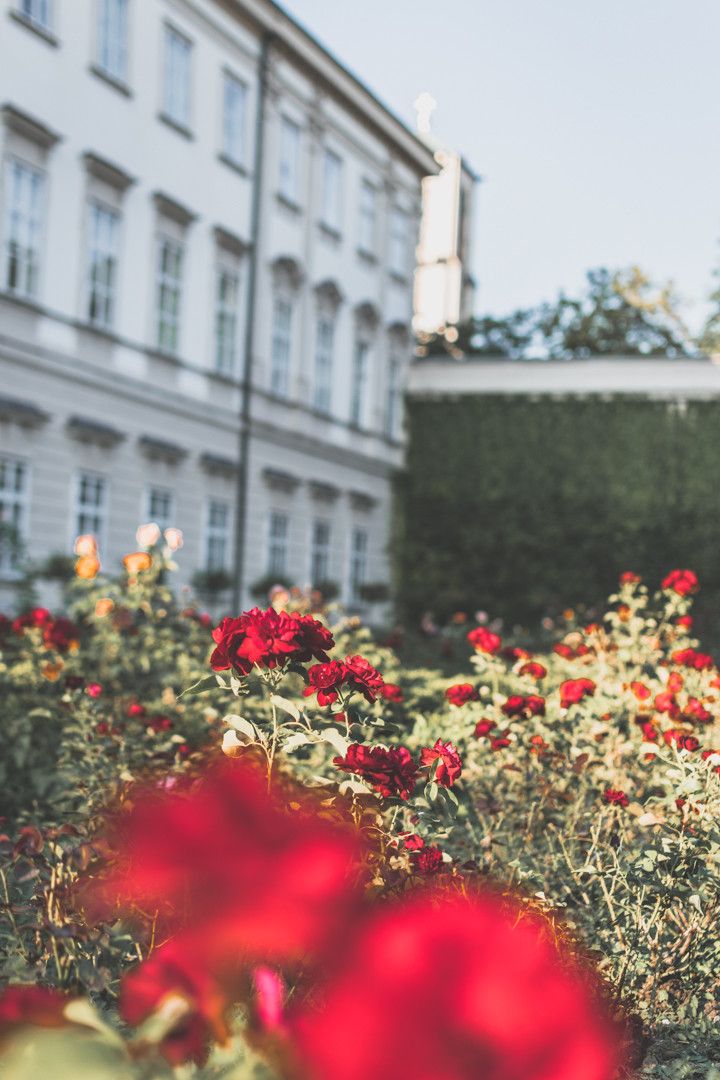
[(278, 543), (358, 557), (30, 16), (147, 508), (230, 79), (365, 248), (320, 551), (119, 47), (110, 297), (166, 236), (13, 161), (399, 242), (281, 345), (170, 85), (359, 379), (332, 191), (324, 363), (212, 532), (289, 179), (100, 533), (226, 314), (8, 572)]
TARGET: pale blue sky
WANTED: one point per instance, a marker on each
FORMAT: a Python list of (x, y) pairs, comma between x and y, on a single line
[(596, 127)]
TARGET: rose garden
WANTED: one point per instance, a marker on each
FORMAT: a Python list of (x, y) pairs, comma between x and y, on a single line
[(270, 847)]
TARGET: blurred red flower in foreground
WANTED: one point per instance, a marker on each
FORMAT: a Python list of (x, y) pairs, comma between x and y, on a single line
[(35, 1005), (233, 862), (454, 988)]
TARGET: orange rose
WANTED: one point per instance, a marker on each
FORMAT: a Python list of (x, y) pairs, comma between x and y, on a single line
[(86, 545), (51, 671), (104, 606), (137, 561), (87, 566)]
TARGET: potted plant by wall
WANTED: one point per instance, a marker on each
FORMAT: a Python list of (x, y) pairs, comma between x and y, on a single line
[(211, 583), (329, 590), (260, 589)]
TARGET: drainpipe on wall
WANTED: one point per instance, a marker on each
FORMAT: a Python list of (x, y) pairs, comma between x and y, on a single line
[(241, 492)]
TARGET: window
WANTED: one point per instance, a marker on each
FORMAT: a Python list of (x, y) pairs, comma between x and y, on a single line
[(359, 382), (289, 178), (226, 319), (281, 343), (394, 395), (322, 398), (176, 103), (169, 294), (367, 218), (234, 134), (217, 536), (332, 191), (13, 513), (399, 241), (160, 507), (91, 506), (38, 12), (103, 231), (23, 228), (278, 543), (320, 552), (112, 38), (358, 562)]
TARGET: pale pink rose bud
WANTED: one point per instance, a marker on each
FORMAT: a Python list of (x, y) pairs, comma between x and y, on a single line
[(174, 538), (148, 535), (86, 545)]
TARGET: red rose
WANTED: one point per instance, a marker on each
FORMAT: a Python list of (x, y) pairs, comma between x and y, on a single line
[(665, 703), (629, 578), (615, 797), (159, 722), (483, 728), (429, 860), (389, 771), (525, 705), (695, 711), (533, 669), (413, 842), (680, 739), (483, 640), (36, 618), (675, 682), (456, 988), (573, 691), (449, 765), (361, 675), (499, 742), (568, 653), (460, 693), (93, 690), (685, 621), (392, 692), (325, 681), (268, 639), (640, 690), (60, 634), (682, 582), (232, 868), (514, 652), (36, 1005), (693, 659)]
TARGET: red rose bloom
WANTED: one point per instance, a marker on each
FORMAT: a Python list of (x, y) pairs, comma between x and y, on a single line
[(675, 682), (483, 728), (60, 634), (525, 705), (390, 772), (413, 842), (460, 693), (665, 703), (514, 652), (483, 640), (695, 711), (533, 669), (36, 618), (325, 681), (682, 582), (177, 970), (35, 1005), (450, 766), (135, 710), (499, 742), (574, 690), (454, 988), (640, 690), (615, 797), (93, 690), (568, 653), (680, 739), (159, 722), (361, 675), (629, 578), (392, 692), (428, 860), (685, 621), (268, 639), (693, 659), (231, 867)]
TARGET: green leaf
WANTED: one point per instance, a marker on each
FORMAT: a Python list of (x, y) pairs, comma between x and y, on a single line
[(243, 727), (287, 706), (295, 741), (200, 686)]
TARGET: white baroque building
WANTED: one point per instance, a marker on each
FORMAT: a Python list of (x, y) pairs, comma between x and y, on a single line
[(207, 237)]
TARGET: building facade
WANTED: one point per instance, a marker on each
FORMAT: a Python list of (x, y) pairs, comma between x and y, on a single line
[(207, 233)]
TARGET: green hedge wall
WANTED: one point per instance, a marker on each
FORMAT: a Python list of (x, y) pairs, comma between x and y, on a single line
[(523, 505)]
